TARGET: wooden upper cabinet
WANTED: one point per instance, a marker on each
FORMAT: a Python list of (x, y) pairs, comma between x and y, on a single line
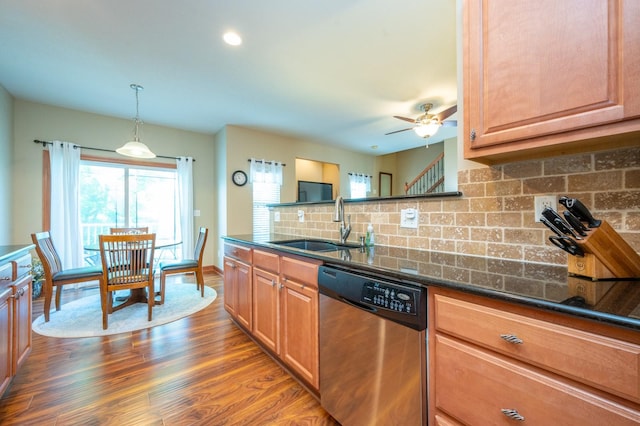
[(549, 77)]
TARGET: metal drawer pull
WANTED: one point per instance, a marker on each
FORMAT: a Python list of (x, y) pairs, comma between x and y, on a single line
[(511, 338), (5, 278), (512, 414)]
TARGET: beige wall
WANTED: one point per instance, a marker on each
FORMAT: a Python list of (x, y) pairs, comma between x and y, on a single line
[(6, 166), (240, 144), (38, 121), (495, 216)]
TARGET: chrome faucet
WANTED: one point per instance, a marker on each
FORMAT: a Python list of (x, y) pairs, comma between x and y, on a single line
[(338, 216)]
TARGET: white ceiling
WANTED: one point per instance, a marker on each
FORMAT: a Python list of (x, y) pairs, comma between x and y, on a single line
[(330, 71)]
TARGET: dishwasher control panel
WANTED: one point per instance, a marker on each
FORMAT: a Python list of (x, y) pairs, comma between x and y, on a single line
[(393, 297)]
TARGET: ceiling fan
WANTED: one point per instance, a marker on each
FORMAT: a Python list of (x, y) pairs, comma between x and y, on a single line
[(426, 125)]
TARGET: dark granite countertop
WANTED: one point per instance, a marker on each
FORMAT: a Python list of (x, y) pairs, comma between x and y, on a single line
[(9, 252), (537, 285)]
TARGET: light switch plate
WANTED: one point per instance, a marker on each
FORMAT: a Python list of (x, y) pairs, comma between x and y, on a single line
[(300, 215), (409, 218), (276, 216)]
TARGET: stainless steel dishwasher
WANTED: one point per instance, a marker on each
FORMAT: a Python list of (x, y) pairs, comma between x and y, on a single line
[(373, 362)]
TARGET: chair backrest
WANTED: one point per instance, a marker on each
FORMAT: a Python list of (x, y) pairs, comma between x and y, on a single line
[(127, 259), (141, 230), (200, 243), (47, 253)]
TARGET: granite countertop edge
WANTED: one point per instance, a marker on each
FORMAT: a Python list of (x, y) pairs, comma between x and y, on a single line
[(576, 311)]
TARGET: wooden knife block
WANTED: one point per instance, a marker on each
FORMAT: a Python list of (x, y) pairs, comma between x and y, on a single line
[(607, 255)]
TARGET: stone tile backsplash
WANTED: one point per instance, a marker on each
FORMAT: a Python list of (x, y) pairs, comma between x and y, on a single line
[(494, 217)]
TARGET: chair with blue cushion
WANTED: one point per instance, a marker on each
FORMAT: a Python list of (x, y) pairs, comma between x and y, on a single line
[(54, 275), (186, 266)]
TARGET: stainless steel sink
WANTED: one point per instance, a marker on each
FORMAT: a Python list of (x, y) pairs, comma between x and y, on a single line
[(314, 245)]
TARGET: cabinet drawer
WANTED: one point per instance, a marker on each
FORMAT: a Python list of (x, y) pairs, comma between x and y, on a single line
[(475, 387), (608, 364), (266, 261), (304, 271), (6, 273), (21, 266), (238, 252)]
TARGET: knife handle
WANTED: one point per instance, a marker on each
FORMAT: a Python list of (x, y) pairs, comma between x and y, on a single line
[(579, 210), (575, 223)]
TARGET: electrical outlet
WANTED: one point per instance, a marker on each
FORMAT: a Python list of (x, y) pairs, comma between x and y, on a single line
[(541, 202), (409, 218), (276, 216), (300, 215)]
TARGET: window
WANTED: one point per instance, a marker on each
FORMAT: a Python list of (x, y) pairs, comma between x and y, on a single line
[(122, 195), (359, 185), (263, 194)]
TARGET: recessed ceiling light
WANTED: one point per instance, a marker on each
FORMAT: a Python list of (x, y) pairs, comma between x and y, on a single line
[(374, 146), (232, 38)]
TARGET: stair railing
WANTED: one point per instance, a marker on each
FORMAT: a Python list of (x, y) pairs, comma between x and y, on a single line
[(430, 180)]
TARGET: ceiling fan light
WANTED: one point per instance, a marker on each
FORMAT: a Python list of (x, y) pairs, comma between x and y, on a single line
[(427, 130), (135, 149)]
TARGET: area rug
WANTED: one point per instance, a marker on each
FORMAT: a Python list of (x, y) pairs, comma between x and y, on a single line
[(83, 317)]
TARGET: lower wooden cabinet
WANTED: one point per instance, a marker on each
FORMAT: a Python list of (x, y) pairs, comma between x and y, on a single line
[(21, 321), (299, 330), (285, 311), (494, 363), (6, 326), (15, 314), (237, 283), (481, 387), (266, 309)]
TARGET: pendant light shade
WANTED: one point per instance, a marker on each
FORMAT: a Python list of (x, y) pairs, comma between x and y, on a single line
[(135, 148)]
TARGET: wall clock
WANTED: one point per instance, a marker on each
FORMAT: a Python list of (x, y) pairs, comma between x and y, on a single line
[(239, 177)]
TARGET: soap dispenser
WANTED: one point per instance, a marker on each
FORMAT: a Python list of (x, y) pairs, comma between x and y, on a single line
[(370, 240)]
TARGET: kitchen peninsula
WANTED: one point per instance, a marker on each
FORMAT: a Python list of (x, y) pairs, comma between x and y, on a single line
[(541, 331)]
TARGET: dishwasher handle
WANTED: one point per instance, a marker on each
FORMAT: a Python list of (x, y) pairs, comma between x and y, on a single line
[(358, 305)]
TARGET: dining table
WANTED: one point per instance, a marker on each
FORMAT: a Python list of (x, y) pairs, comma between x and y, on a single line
[(137, 295)]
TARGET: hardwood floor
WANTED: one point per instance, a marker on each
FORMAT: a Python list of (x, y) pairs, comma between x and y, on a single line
[(200, 370)]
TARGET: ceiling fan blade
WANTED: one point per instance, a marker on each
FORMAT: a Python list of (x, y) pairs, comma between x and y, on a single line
[(398, 131), (450, 123), (447, 113), (410, 120)]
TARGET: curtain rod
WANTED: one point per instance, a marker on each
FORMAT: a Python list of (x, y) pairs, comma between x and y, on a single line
[(44, 143), (266, 162), (358, 174)]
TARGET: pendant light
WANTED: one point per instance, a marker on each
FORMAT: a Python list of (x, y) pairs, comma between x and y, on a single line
[(135, 148)]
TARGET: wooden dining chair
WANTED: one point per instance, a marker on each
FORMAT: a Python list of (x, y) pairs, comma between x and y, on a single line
[(186, 266), (127, 264), (140, 230), (55, 275)]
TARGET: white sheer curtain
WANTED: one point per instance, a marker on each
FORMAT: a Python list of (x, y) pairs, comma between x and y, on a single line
[(65, 207), (263, 171), (185, 204), (359, 184)]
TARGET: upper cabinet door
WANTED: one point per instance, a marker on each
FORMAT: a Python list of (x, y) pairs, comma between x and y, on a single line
[(540, 74)]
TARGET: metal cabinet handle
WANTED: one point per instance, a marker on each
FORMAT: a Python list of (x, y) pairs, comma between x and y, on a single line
[(512, 414), (511, 338), (273, 282), (5, 278)]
